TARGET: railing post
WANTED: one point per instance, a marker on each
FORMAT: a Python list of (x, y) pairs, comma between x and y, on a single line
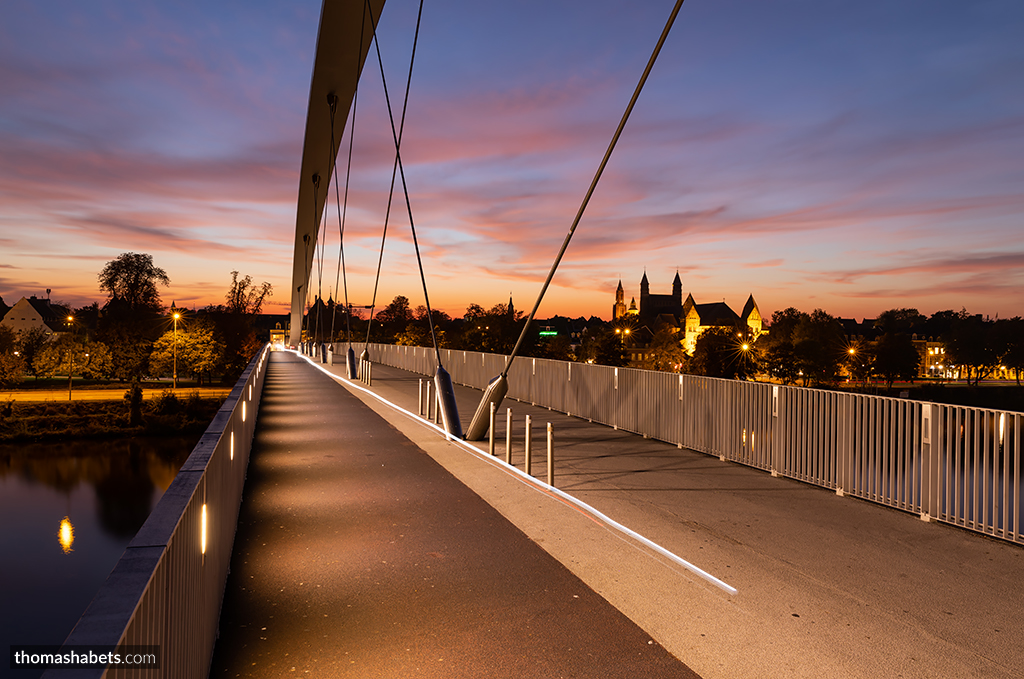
[(930, 472), (526, 464), (508, 436), (490, 437), (551, 457), (778, 436), (427, 400), (419, 398)]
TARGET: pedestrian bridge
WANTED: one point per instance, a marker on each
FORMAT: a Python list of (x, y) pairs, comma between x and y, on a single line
[(718, 545)]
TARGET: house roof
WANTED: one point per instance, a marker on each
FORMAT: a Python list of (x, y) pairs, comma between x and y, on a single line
[(716, 313), (751, 305), (52, 315)]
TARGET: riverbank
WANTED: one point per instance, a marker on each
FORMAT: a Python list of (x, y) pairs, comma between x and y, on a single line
[(163, 414)]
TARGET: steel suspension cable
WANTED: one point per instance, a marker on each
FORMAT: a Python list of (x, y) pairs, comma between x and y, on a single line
[(498, 387), (405, 186), (343, 211), (593, 183), (394, 168), (321, 244)]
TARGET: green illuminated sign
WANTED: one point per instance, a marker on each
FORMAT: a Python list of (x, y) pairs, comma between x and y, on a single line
[(547, 333)]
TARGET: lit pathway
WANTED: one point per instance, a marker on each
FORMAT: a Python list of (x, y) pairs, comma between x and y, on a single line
[(828, 586), (358, 555)]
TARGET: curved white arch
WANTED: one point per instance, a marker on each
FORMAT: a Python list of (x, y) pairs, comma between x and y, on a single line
[(336, 68)]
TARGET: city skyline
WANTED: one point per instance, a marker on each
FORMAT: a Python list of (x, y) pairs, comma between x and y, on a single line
[(815, 154)]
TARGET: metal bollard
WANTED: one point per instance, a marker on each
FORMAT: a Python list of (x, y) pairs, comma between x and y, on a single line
[(490, 438), (508, 436), (551, 457), (526, 464), (419, 398), (427, 400)]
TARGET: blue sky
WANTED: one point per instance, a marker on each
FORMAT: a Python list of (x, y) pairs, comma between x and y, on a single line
[(848, 156)]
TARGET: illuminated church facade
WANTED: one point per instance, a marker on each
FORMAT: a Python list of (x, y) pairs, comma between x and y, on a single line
[(685, 316)]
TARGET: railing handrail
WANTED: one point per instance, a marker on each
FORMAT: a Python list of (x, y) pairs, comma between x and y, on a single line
[(951, 463), (167, 588)]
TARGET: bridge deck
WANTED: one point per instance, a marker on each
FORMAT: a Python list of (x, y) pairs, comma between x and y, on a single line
[(359, 555), (828, 586)]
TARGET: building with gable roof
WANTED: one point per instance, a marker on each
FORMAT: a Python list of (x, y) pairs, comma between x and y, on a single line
[(687, 316), (32, 312)]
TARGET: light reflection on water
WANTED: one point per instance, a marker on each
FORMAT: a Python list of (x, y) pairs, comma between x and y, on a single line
[(50, 570)]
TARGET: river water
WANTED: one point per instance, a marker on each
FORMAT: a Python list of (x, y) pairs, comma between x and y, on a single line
[(67, 512)]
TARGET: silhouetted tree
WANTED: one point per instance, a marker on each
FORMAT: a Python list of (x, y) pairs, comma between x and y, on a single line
[(12, 365), (246, 298), (1013, 354), (132, 278), (818, 343), (495, 330), (906, 321), (893, 355), (776, 351), (30, 343), (132, 316), (895, 358), (392, 319), (557, 348), (969, 346), (235, 324), (664, 353), (719, 353)]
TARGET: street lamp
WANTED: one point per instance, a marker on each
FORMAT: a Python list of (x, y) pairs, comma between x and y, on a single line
[(176, 315), (71, 355)]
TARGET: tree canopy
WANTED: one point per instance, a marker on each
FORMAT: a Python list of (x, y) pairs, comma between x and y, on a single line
[(132, 279), (244, 297)]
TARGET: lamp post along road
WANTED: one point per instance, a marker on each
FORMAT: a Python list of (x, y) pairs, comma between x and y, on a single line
[(177, 315), (71, 354)]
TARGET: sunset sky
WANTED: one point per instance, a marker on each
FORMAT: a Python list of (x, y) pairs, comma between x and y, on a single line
[(852, 156)]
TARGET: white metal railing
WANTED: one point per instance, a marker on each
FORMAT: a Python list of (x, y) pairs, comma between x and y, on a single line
[(948, 463), (167, 588)]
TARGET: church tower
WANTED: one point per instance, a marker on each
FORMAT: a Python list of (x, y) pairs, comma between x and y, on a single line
[(619, 308), (645, 292), (677, 291)]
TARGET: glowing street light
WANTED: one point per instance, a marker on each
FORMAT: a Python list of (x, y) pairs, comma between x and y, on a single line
[(176, 315), (71, 355)]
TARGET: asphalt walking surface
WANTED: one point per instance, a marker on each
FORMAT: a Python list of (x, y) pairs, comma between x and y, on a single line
[(359, 555), (828, 586)]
